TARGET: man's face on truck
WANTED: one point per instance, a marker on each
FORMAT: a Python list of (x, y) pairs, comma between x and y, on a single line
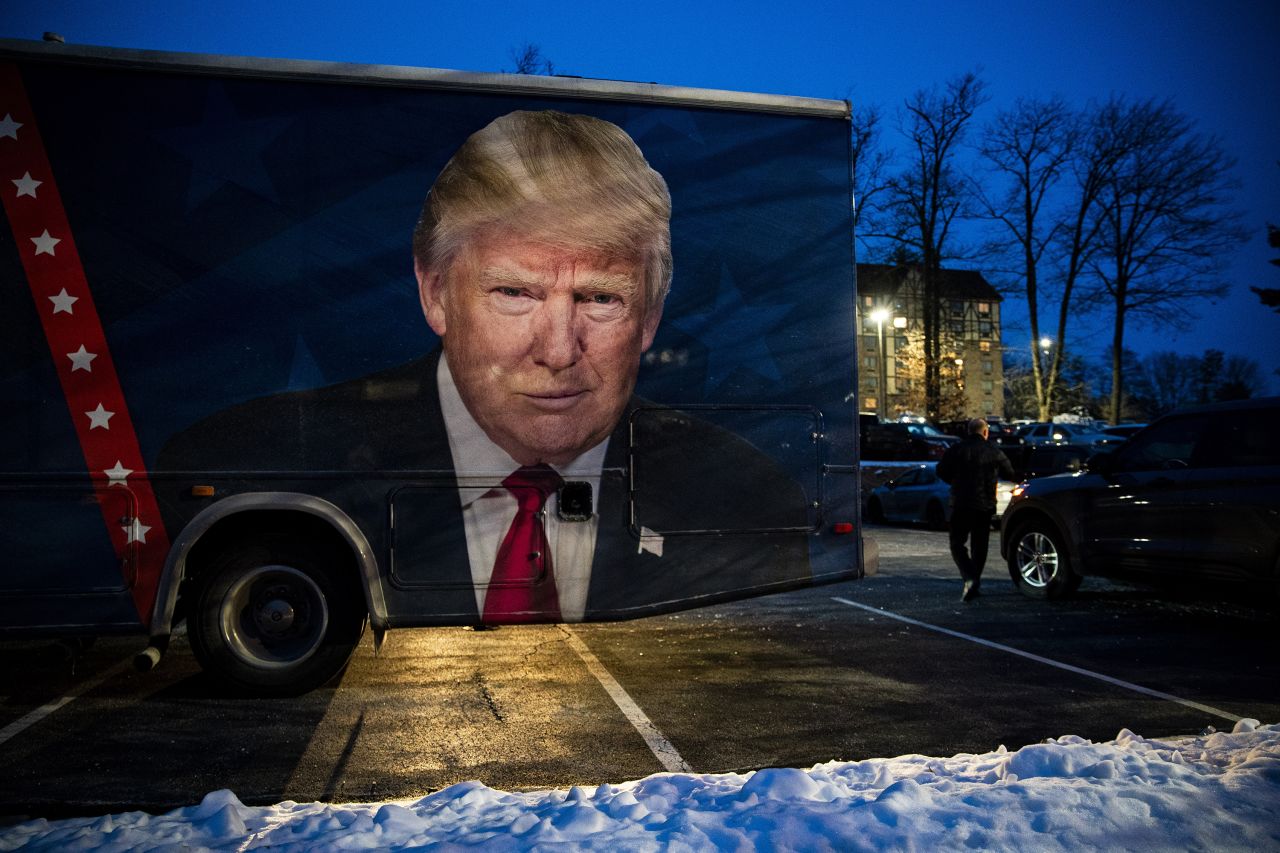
[(544, 342)]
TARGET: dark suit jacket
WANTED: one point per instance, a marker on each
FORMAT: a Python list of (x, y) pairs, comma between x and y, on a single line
[(377, 448)]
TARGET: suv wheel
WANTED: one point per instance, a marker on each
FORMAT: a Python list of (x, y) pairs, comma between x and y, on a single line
[(1038, 562)]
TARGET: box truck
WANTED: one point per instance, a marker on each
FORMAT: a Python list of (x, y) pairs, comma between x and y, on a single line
[(295, 350)]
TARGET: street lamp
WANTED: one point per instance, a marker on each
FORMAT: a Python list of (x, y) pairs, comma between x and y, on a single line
[(880, 315)]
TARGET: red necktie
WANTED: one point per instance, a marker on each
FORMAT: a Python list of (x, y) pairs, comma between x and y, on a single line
[(522, 587)]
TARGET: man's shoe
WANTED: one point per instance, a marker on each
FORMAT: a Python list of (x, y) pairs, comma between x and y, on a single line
[(970, 591)]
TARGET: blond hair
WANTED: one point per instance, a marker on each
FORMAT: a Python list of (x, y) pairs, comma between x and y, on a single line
[(564, 179)]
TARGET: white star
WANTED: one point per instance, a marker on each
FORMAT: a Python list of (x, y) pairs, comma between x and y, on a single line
[(118, 474), (99, 417), (27, 185), (80, 360), (63, 301), (9, 127), (45, 243), (136, 531)]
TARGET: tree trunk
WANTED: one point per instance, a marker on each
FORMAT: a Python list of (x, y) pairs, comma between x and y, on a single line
[(1117, 365)]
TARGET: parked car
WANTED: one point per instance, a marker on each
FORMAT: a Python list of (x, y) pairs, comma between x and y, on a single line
[(920, 496), (1113, 436), (928, 432), (1195, 495), (1064, 434), (891, 441)]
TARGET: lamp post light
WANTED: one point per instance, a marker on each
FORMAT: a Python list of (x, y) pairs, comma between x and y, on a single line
[(880, 315)]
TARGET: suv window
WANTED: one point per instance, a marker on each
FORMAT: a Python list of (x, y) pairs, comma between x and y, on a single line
[(1245, 440), (1166, 445)]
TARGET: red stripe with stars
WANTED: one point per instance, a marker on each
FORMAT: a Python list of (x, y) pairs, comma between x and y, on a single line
[(77, 342)]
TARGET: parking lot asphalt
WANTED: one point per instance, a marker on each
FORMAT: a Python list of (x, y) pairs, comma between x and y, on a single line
[(889, 665)]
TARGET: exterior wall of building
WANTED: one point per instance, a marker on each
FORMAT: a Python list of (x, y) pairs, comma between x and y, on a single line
[(971, 337)]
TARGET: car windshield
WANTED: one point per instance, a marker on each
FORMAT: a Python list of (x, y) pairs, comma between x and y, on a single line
[(925, 429)]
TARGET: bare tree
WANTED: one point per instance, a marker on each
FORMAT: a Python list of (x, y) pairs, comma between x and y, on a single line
[(1030, 147), (870, 162), (925, 199), (528, 59), (1241, 379), (1055, 163), (910, 396), (1270, 296), (1165, 230), (1170, 380)]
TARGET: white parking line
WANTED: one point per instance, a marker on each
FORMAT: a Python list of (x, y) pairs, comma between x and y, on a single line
[(1127, 685), (661, 748), (22, 723)]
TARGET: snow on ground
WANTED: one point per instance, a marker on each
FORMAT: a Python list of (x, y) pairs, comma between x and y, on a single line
[(1214, 792)]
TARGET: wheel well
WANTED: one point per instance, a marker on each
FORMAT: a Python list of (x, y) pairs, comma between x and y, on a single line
[(252, 526)]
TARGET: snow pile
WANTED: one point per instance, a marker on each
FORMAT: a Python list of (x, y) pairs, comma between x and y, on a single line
[(1215, 792)]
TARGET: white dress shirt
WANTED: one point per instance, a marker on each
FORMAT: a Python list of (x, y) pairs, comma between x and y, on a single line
[(488, 508)]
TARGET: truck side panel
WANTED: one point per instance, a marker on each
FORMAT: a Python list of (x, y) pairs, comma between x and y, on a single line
[(248, 296)]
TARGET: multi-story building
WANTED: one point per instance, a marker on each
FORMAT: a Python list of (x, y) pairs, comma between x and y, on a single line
[(891, 342)]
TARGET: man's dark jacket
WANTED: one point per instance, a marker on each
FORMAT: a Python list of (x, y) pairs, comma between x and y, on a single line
[(972, 467), (377, 448)]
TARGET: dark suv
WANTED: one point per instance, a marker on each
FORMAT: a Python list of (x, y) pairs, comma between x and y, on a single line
[(1196, 495)]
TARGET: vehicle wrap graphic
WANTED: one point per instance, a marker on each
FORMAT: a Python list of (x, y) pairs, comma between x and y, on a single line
[(78, 345)]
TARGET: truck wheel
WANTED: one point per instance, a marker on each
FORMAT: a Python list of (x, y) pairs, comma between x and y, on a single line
[(1038, 562), (274, 620)]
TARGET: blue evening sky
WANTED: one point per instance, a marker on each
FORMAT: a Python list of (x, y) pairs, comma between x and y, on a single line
[(1216, 61)]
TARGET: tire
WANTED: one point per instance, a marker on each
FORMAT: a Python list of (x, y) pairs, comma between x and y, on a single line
[(1039, 563), (935, 516), (275, 619), (875, 512)]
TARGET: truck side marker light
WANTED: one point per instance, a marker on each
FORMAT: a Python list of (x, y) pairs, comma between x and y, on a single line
[(202, 491), (842, 527)]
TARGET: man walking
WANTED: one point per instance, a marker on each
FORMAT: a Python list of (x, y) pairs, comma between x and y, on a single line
[(972, 467)]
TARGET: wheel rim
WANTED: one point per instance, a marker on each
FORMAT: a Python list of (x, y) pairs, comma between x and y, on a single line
[(273, 617), (1037, 560)]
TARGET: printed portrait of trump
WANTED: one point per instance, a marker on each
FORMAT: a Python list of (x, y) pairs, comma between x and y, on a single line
[(543, 256)]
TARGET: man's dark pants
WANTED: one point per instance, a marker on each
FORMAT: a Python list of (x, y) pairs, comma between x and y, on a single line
[(971, 525)]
